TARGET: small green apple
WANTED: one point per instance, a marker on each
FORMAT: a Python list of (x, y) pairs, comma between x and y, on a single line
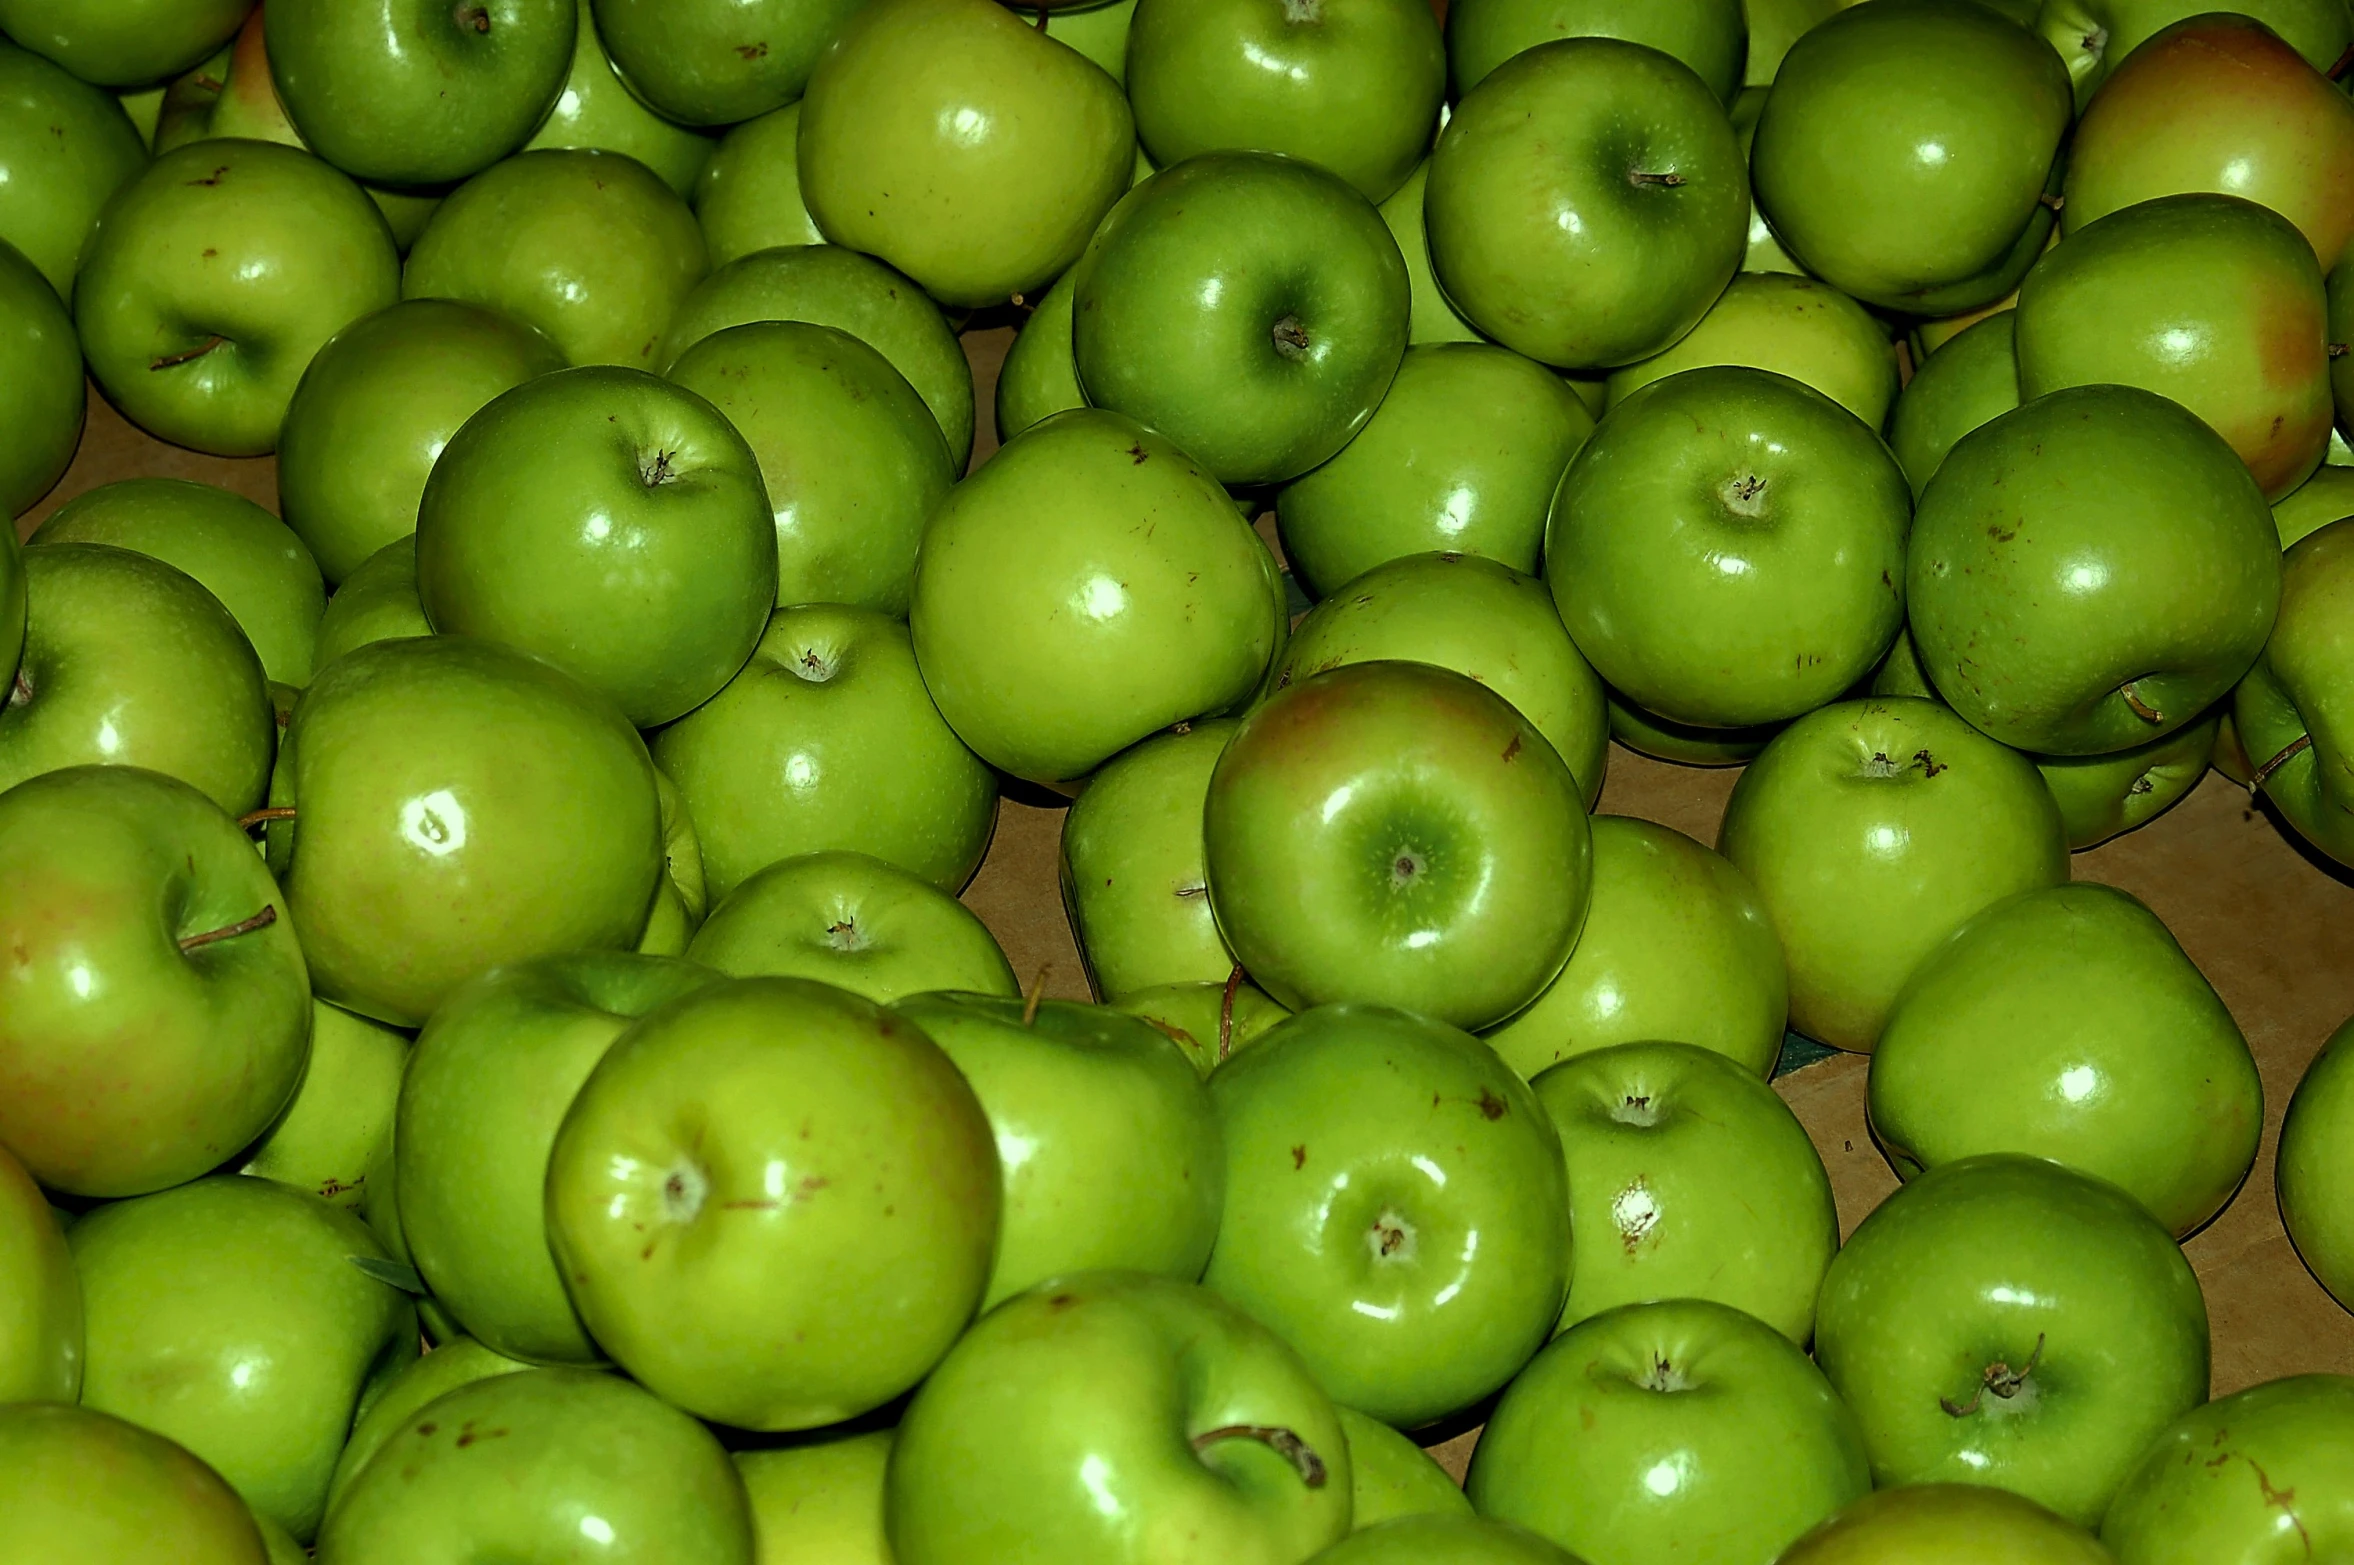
[(2292, 709), (716, 62), (2102, 796), (377, 602), (2234, 1480), (1392, 1477), (454, 1362), (65, 149), (42, 394), (1040, 377), (2316, 1152), (593, 109), (1133, 880), (1794, 326), (1971, 380), (1947, 1524), (820, 1503), (748, 197), (340, 1121), (1429, 315), (78, 1485), (41, 1302), (1444, 1540), (2326, 497), (855, 922), (123, 43), (1209, 1021), (1710, 36)]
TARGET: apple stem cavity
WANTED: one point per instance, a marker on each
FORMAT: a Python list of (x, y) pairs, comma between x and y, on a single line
[(1999, 1378), (1291, 338), (252, 818), (683, 1190), (1664, 1377), (843, 935), (244, 926), (1743, 495), (1281, 1441), (1303, 12), (174, 360), (2296, 746), (1636, 1109), (473, 18), (814, 666), (1226, 1013), (1405, 868), (1641, 176), (659, 471), (1391, 1238)]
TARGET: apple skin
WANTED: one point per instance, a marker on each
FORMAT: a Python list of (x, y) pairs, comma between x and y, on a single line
[(748, 197), (237, 551), (1946, 1524), (820, 1503), (1587, 203), (208, 286), (1201, 1020), (130, 662), (2094, 37), (1940, 1299), (1252, 307), (2103, 796), (1479, 619), (590, 248), (1794, 326), (774, 1203), (1759, 1446), (1872, 829), (1392, 1477), (123, 43), (573, 1446), (41, 1308), (340, 1121), (44, 396), (961, 145), (375, 410), (850, 456), (717, 62), (422, 854), (2051, 630), (2067, 1023), (1040, 377), (611, 522), (1944, 122), (854, 922), (1110, 1417), (2116, 302), (455, 1361), (1709, 36), (78, 1485), (1354, 88), (2326, 497), (1729, 548), (1969, 381), (1444, 1540), (1430, 318), (487, 1086), (2234, 1479), (2313, 1163), (227, 1314), (65, 149), (1463, 454), (1676, 945), (594, 109), (2291, 711), (1396, 833), (2218, 103), (1133, 880), (377, 602)]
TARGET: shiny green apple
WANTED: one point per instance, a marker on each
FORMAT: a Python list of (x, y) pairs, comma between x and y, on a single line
[(1040, 377), (45, 396), (1429, 315), (454, 1361), (65, 149), (1133, 880), (1946, 1524), (376, 602), (123, 43), (2326, 497), (2292, 709), (2265, 1473), (41, 1301), (820, 1503), (594, 109), (748, 197), (1710, 36), (2316, 1151), (1392, 1477), (852, 921), (2102, 796), (715, 62), (1209, 1021), (340, 1121), (78, 1485), (1971, 380), (2095, 36), (1794, 326), (1444, 1540)]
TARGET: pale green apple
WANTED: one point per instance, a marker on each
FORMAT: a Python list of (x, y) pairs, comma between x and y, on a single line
[(2101, 796), (1429, 316), (2292, 710), (1134, 885), (41, 1299), (376, 602), (2326, 497), (852, 921), (1444, 1540), (1947, 1524), (1040, 376), (1971, 380), (455, 1361), (42, 394), (715, 62), (820, 1503), (1392, 1477), (65, 149), (748, 197), (2316, 1154), (1794, 326), (123, 43), (593, 109), (77, 1486), (1710, 36), (340, 1121), (2095, 36), (1209, 1021), (2242, 1477)]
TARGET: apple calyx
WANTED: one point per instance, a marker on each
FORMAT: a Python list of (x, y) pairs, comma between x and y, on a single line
[(1291, 338), (1283, 1442), (244, 926), (1405, 867), (1880, 765), (1743, 495), (2263, 774), (471, 17), (174, 360), (659, 471), (1664, 1377), (814, 666), (1391, 1238), (1999, 1378), (252, 818), (683, 1191), (1638, 1109)]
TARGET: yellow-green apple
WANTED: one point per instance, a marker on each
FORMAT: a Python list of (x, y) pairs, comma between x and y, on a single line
[(1209, 1021), (340, 1121), (421, 853), (1677, 1429), (610, 522), (1394, 1208), (454, 1362), (1947, 1524), (1429, 315), (593, 109), (1710, 36), (208, 286), (715, 62), (1134, 884), (1729, 548), (1444, 1540), (2263, 1474), (1872, 830), (78, 1485), (2326, 497), (2007, 1321), (374, 411), (852, 460), (42, 393), (1392, 1477), (1396, 833), (2101, 796), (41, 1302), (2316, 1155), (376, 602), (1123, 1420), (65, 148), (2047, 626), (2291, 711), (1794, 326), (230, 1315), (748, 197), (1353, 86), (1040, 376), (821, 1501), (774, 1203), (1972, 379), (2096, 36), (1955, 180), (1463, 454), (852, 921), (538, 1465), (1647, 733), (589, 247), (123, 43), (1587, 202)]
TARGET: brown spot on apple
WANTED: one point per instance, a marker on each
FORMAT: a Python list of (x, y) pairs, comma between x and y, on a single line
[(1299, 1157)]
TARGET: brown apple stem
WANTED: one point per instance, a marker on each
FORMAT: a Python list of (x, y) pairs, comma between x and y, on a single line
[(1999, 1378), (1647, 177), (276, 812), (173, 360), (1226, 1014), (2301, 743), (1040, 24), (2337, 350), (1037, 993), (2141, 709), (2345, 63), (1281, 1441), (244, 926), (2048, 199)]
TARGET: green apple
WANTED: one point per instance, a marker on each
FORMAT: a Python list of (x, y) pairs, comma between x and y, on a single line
[(1765, 252), (820, 1503), (589, 247), (542, 1464), (684, 896), (2066, 1023), (717, 62), (2219, 102), (1793, 326), (491, 1077), (2316, 1150), (1947, 1524), (1352, 87), (243, 555), (1463, 454), (41, 1302), (1953, 175), (1444, 1540), (41, 370), (2210, 300), (1676, 945), (454, 1362), (1676, 1430), (611, 522), (748, 197), (2095, 36), (380, 1209), (851, 458), (1209, 1021), (1394, 1208), (2101, 796), (1134, 885), (1729, 548), (374, 411), (1391, 1477), (1040, 376), (1097, 31), (774, 1203), (1709, 36), (1477, 618), (123, 43), (65, 149), (1688, 1178), (229, 1315), (2326, 497), (2236, 1479), (377, 602), (1647, 733), (830, 286), (423, 854), (1587, 203), (594, 109), (855, 922), (340, 1121), (1774, 25), (1089, 586), (2090, 572), (78, 1485), (2004, 1320), (1872, 830), (1971, 380), (129, 662), (1249, 306), (1122, 1420), (1396, 833), (2291, 711), (1429, 315), (208, 286)]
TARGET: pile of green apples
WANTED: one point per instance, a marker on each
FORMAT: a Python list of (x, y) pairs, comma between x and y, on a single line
[(493, 1065)]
